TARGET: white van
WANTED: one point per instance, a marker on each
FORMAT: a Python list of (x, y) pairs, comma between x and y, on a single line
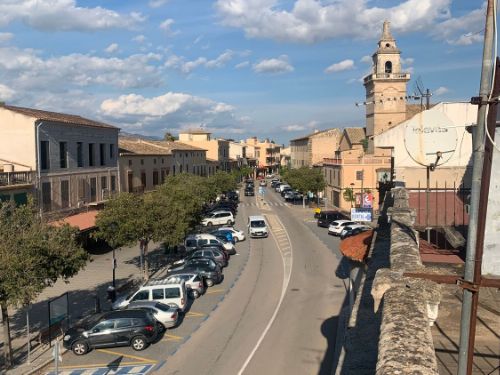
[(257, 226), (283, 187), (156, 290), (196, 240)]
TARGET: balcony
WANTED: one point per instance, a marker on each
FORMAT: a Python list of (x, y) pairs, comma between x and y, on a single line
[(363, 160), (373, 77), (17, 178)]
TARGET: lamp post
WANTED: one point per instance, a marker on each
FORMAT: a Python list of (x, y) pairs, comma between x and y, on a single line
[(113, 228), (352, 192)]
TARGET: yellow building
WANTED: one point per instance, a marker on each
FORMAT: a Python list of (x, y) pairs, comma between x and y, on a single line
[(311, 149), (217, 149), (267, 154)]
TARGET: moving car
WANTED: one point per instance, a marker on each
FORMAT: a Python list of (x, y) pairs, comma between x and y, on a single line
[(337, 226), (257, 226), (166, 315), (327, 217), (352, 230), (156, 290), (136, 328), (218, 218), (249, 191)]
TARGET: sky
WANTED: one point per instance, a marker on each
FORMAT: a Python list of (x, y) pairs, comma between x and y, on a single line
[(239, 68)]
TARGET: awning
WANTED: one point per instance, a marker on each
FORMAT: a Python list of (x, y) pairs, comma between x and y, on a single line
[(83, 221), (357, 247)]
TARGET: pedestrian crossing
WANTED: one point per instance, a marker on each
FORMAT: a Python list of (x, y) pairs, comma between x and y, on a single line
[(254, 204), (108, 370)]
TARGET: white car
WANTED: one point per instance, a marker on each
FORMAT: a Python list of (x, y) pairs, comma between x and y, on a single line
[(218, 218), (355, 228), (337, 226), (167, 315), (238, 235)]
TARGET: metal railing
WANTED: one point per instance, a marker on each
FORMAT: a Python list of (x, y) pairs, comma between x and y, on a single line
[(17, 178), (387, 75)]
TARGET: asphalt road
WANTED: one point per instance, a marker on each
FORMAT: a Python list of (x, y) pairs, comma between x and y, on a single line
[(275, 313)]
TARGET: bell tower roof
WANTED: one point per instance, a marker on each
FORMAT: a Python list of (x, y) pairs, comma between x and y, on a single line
[(386, 31), (387, 43)]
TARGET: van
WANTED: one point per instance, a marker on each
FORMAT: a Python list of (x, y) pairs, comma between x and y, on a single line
[(257, 226), (157, 290)]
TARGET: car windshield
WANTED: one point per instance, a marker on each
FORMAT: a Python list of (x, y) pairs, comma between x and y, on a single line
[(258, 224), (131, 293), (91, 321)]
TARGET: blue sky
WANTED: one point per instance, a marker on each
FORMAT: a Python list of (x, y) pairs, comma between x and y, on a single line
[(275, 69)]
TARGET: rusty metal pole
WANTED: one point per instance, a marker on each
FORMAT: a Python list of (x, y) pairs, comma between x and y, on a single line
[(465, 353)]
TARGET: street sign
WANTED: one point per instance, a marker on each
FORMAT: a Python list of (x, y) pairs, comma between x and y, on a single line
[(361, 214)]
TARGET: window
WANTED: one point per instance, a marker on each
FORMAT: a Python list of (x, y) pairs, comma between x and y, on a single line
[(63, 155), (142, 161), (79, 154), (143, 179), (111, 152), (155, 178), (180, 169), (123, 323), (158, 293), (130, 182), (91, 155), (103, 326), (46, 196), (154, 161), (93, 189), (113, 183), (162, 161), (104, 182), (64, 194), (102, 154), (172, 292), (142, 295), (82, 183), (173, 170), (129, 162), (44, 155), (388, 67), (162, 176)]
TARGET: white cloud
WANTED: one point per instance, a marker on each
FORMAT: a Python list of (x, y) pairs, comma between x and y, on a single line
[(139, 38), (366, 59), (274, 66), (157, 3), (462, 30), (186, 67), (340, 66), (179, 110), (441, 91), (5, 37), (242, 65), (64, 15), (407, 61), (300, 127), (166, 26), (309, 21), (113, 47), (6, 93)]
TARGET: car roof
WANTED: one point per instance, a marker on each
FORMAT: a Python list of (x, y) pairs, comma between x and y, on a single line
[(161, 282), (221, 212), (342, 221), (138, 304), (124, 314), (257, 217), (353, 226)]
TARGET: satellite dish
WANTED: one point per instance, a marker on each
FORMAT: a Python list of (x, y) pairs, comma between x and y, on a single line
[(430, 138)]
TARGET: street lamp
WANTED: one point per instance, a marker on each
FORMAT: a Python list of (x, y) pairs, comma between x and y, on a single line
[(352, 192), (113, 227)]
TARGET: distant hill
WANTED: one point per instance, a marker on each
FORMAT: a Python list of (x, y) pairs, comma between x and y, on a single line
[(141, 136)]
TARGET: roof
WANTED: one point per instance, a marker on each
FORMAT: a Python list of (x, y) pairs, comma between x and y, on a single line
[(83, 221), (195, 131), (57, 117), (137, 146), (355, 135), (317, 132), (356, 247)]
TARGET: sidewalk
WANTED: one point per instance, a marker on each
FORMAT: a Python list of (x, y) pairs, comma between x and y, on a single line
[(82, 289)]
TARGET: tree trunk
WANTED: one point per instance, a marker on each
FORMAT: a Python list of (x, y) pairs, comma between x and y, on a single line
[(146, 261), (7, 347)]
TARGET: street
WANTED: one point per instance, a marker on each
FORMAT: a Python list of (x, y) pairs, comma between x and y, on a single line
[(275, 312)]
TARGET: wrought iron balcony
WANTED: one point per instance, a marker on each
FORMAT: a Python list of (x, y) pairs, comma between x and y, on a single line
[(17, 178)]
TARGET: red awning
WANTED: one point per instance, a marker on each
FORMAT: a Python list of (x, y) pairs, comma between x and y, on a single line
[(83, 221), (357, 247)]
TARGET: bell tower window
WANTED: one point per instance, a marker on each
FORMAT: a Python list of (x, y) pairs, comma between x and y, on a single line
[(388, 67)]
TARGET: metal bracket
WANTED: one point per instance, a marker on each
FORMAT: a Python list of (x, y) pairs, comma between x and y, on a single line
[(468, 285)]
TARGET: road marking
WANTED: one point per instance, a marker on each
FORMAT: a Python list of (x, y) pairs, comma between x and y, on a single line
[(169, 337), (214, 291), (287, 273), (106, 369), (194, 314), (127, 355)]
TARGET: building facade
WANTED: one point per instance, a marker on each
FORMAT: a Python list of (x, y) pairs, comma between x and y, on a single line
[(75, 159), (267, 154), (217, 149), (311, 149)]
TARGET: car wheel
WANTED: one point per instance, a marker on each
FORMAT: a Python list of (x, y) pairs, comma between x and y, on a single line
[(209, 224), (210, 282), (194, 293), (229, 222), (139, 343), (80, 348)]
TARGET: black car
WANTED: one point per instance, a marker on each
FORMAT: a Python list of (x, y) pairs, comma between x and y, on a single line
[(233, 196), (136, 328), (327, 217), (249, 191), (286, 190), (204, 267)]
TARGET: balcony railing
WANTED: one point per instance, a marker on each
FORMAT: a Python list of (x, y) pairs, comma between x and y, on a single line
[(365, 160), (387, 76), (17, 178)]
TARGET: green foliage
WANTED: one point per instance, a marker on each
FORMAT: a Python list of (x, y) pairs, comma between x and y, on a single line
[(348, 195), (305, 179), (364, 142), (33, 254), (169, 137), (221, 182)]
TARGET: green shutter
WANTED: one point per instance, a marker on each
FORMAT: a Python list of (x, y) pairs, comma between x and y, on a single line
[(21, 199), (4, 198)]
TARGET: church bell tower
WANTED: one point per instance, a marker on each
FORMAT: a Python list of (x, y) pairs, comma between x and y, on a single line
[(385, 88)]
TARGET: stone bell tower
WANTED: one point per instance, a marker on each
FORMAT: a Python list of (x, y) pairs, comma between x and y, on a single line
[(385, 88)]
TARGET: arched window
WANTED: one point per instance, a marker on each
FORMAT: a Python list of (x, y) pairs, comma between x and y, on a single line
[(388, 67)]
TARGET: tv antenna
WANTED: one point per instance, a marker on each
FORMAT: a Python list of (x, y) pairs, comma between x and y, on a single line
[(421, 93)]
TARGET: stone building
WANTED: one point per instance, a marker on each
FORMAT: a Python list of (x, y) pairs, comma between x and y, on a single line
[(75, 159), (267, 154), (311, 149), (217, 149)]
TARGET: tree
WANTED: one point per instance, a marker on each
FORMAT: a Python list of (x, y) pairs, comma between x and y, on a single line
[(169, 137), (349, 196), (221, 182), (33, 255), (305, 179)]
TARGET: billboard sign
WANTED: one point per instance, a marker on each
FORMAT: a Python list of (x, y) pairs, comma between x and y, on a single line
[(361, 214)]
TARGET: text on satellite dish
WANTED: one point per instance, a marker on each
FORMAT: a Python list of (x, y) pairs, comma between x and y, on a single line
[(429, 130)]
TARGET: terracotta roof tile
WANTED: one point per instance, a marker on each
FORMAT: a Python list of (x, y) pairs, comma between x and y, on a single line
[(355, 135), (338, 131), (357, 247), (139, 147), (83, 221), (57, 117)]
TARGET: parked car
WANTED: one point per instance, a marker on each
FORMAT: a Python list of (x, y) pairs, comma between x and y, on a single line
[(337, 226), (352, 230), (282, 187), (166, 315), (195, 283), (327, 217), (225, 234), (218, 256), (285, 191), (238, 235), (222, 206), (274, 183), (218, 218), (257, 226), (195, 241), (136, 328), (292, 196), (156, 290), (207, 268), (249, 191)]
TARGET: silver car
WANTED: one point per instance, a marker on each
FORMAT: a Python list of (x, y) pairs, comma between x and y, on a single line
[(194, 282), (167, 315)]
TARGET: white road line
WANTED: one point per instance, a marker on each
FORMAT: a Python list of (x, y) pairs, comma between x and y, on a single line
[(286, 281)]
